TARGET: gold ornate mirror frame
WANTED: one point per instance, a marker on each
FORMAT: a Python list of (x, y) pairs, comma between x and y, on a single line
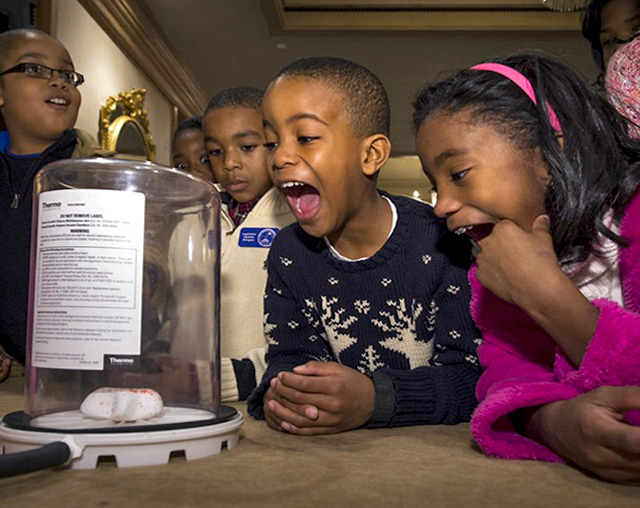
[(121, 112)]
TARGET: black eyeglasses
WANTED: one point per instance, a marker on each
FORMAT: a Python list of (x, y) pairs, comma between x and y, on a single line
[(35, 70)]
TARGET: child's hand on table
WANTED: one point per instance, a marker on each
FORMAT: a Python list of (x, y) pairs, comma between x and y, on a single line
[(319, 398), (5, 368), (589, 430)]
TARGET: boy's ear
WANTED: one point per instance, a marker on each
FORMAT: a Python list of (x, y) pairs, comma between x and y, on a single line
[(376, 151)]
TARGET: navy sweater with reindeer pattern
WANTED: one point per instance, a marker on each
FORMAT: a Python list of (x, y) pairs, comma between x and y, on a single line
[(401, 316)]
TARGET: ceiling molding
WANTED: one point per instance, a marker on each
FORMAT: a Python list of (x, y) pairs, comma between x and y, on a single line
[(134, 30), (418, 15)]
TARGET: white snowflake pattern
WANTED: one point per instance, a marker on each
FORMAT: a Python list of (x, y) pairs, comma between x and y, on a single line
[(313, 338), (293, 324), (286, 261), (268, 328), (426, 258), (400, 324), (277, 291), (362, 306), (333, 281), (311, 313), (385, 282), (454, 334), (323, 358), (471, 359), (453, 289), (370, 360), (431, 315), (477, 341)]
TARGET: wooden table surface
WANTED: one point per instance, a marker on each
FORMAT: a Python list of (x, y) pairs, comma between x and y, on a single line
[(411, 466)]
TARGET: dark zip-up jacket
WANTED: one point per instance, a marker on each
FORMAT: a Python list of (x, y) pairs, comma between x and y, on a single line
[(15, 236)]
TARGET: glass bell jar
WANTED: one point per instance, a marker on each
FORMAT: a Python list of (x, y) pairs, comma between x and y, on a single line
[(124, 298)]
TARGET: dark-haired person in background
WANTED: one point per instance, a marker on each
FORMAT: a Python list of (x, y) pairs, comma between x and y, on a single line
[(188, 151), (609, 24), (250, 219)]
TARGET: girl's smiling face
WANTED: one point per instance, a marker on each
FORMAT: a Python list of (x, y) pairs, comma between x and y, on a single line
[(480, 175)]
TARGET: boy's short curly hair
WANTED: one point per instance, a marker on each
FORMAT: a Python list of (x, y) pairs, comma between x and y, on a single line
[(193, 123), (240, 97), (10, 38), (367, 102)]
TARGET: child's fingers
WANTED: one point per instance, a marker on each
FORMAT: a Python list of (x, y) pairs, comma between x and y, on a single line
[(306, 404), (309, 431), (286, 415), (618, 398), (620, 437), (5, 369), (541, 229), (304, 383), (272, 422), (615, 466), (295, 401), (315, 368), (541, 223), (269, 417)]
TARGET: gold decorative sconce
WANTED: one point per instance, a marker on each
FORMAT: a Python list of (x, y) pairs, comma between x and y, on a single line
[(124, 126)]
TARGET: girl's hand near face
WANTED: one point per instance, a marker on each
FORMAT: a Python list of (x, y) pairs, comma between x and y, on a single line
[(514, 264), (522, 268)]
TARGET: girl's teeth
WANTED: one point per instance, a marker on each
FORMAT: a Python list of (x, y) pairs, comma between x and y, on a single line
[(463, 230), (58, 101)]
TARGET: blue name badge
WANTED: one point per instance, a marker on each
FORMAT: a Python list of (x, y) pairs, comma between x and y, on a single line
[(257, 237)]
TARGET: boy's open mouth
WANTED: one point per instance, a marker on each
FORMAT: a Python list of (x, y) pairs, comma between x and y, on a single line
[(476, 232), (304, 199), (57, 101)]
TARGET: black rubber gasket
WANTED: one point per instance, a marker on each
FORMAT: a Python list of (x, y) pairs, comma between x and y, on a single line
[(21, 421)]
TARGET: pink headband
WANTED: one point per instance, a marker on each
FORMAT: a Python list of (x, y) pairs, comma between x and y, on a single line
[(523, 83)]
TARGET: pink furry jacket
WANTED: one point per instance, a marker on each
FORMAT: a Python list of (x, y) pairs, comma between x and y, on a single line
[(525, 368)]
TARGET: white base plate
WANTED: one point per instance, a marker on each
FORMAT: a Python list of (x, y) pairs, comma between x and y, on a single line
[(76, 420), (130, 449)]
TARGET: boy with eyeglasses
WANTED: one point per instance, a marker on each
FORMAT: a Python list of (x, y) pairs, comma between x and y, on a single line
[(39, 102)]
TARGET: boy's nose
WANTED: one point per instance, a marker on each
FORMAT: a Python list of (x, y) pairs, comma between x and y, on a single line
[(231, 161), (55, 79), (281, 156)]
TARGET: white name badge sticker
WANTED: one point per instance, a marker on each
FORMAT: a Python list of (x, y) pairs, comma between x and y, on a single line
[(88, 277)]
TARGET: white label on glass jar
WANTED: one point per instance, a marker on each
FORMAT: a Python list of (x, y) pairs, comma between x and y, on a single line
[(88, 284)]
